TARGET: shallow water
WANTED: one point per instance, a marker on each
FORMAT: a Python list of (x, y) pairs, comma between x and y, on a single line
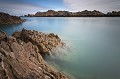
[(94, 44)]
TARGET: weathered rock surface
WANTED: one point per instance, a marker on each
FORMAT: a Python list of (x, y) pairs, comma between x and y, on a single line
[(21, 59), (8, 19), (45, 42)]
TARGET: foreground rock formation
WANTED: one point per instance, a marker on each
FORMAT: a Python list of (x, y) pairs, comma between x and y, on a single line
[(45, 42), (8, 19), (20, 56)]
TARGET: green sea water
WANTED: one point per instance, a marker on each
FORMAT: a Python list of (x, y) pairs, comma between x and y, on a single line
[(93, 44)]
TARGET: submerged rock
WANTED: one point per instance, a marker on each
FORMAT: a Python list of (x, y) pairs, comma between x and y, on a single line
[(20, 56)]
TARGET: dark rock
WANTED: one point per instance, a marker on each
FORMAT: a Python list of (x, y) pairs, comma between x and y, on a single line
[(52, 13), (9, 19), (113, 14), (85, 13)]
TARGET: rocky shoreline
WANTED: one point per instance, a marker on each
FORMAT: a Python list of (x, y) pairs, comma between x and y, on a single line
[(22, 55), (9, 19)]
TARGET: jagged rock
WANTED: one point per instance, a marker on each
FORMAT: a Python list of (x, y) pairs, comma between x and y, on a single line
[(9, 19), (23, 61), (45, 42)]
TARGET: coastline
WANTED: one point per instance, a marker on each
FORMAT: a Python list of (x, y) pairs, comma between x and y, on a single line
[(6, 19), (18, 55), (58, 33), (85, 13)]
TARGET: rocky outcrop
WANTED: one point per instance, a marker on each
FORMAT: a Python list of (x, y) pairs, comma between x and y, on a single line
[(20, 57), (52, 13), (49, 13), (45, 42), (113, 14), (85, 13), (9, 19)]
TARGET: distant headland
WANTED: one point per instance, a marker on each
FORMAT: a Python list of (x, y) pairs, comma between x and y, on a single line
[(5, 18), (85, 13)]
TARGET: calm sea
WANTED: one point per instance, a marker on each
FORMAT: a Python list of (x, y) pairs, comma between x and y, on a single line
[(93, 44)]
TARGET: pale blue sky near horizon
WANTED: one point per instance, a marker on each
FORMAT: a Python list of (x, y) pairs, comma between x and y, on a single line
[(22, 7)]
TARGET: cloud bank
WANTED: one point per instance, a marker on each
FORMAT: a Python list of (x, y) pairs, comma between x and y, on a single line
[(101, 5)]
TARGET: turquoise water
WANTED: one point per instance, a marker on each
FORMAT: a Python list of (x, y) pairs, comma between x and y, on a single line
[(93, 44)]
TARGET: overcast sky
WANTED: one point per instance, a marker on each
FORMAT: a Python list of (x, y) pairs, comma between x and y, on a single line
[(21, 7)]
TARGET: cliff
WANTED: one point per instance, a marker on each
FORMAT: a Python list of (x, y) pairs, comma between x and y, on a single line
[(20, 56), (9, 19)]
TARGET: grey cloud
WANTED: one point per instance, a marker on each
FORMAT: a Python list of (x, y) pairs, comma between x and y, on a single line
[(102, 5)]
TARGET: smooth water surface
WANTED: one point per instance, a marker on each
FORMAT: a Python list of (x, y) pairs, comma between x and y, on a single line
[(94, 43)]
